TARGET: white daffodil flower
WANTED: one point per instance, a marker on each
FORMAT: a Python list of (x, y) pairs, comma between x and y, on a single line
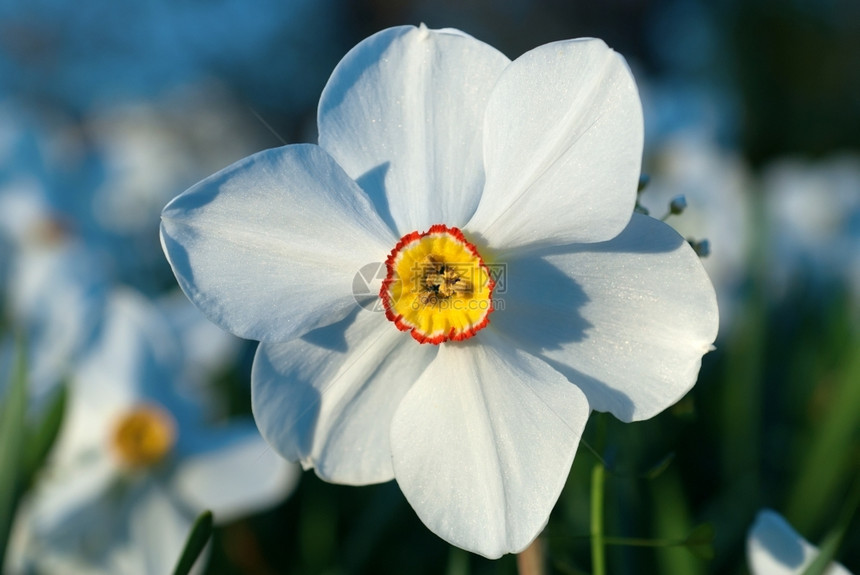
[(493, 199), (774, 548), (136, 462)]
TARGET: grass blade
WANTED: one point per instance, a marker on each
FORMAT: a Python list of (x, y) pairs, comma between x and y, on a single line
[(12, 414), (197, 539), (40, 437)]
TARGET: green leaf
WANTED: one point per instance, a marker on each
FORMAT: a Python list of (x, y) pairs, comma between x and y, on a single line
[(700, 541), (828, 548), (197, 539), (826, 552), (672, 521), (827, 464), (40, 437), (12, 414)]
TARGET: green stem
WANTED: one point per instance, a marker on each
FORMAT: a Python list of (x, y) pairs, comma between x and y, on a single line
[(598, 551)]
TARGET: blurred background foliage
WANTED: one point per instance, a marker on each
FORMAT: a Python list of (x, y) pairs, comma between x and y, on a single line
[(752, 110)]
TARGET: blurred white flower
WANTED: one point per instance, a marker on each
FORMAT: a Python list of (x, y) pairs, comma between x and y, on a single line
[(813, 210), (207, 350), (152, 148), (136, 461), (774, 548), (716, 184), (53, 286), (55, 298), (149, 150), (101, 180), (676, 107), (551, 301)]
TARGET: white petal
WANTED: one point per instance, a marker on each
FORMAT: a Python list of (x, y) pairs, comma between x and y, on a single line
[(159, 528), (206, 349), (327, 399), (233, 473), (56, 295), (268, 247), (774, 548), (80, 521), (402, 113), (62, 493), (562, 148), (626, 320), (483, 442)]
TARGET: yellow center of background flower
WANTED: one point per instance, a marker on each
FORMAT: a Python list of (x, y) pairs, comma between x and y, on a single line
[(437, 286), (144, 436)]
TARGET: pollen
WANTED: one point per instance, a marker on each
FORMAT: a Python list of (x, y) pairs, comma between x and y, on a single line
[(437, 286), (143, 436)]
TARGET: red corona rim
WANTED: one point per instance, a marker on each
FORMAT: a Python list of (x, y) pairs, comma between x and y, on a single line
[(437, 286)]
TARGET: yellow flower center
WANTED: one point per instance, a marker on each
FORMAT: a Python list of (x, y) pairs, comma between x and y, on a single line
[(437, 287), (143, 436)]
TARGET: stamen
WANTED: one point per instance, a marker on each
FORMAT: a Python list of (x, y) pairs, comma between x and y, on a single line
[(437, 287)]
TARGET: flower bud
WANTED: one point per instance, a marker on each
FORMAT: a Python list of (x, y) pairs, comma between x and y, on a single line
[(678, 205), (701, 247)]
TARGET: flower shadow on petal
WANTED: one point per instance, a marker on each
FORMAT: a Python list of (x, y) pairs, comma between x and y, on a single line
[(537, 306), (544, 304), (623, 406), (183, 205), (787, 552), (778, 539), (333, 336), (181, 263), (373, 184), (541, 313), (286, 407), (203, 194)]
